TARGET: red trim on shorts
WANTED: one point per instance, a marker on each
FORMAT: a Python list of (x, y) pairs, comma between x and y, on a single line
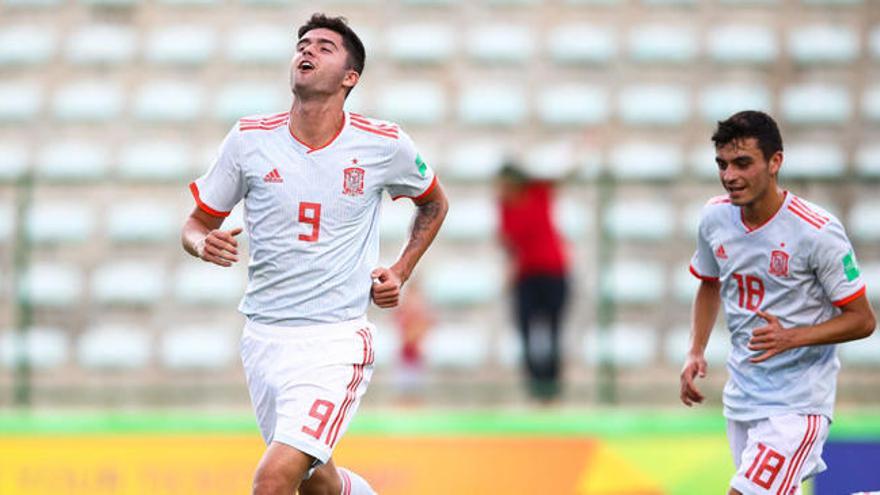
[(704, 278), (351, 391), (423, 195), (346, 482), (792, 475), (194, 189), (848, 299)]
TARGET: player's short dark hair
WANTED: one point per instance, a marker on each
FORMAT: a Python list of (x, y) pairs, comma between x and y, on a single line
[(357, 55), (750, 124)]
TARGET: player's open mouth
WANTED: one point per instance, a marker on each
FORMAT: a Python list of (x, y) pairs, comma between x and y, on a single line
[(306, 66)]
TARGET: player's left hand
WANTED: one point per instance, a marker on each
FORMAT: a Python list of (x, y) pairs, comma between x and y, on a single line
[(386, 287), (771, 338)]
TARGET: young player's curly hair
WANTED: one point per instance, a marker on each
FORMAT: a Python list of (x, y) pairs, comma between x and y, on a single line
[(357, 55), (750, 124)]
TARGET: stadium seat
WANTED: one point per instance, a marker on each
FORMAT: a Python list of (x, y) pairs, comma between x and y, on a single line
[(111, 3), (88, 101), (14, 160), (129, 283), (654, 104), (236, 100), (386, 345), (833, 2), (702, 162), (640, 160), (662, 43), (187, 3), (180, 45), (864, 221), (421, 43), (154, 160), (572, 105), (634, 282), (142, 222), (44, 347), (467, 282), (629, 346), (31, 3), (457, 346), (168, 101), (867, 160), (551, 160), (608, 3), (72, 161), (823, 44), (669, 2), (569, 216), (200, 283), (20, 101), (471, 219), (743, 44), (116, 347), (871, 103), (490, 103), (198, 348), (266, 3), (813, 104), (26, 45), (500, 43), (721, 101), (52, 285), (477, 160), (813, 160), (431, 2), (684, 283), (874, 42), (689, 218), (677, 345), (7, 223), (413, 102), (260, 44), (509, 349), (60, 222), (639, 220), (582, 44), (101, 44)]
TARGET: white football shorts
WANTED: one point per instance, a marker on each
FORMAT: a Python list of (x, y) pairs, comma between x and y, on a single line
[(775, 455), (306, 382)]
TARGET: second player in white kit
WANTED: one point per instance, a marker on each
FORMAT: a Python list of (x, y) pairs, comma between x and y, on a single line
[(312, 181), (787, 276)]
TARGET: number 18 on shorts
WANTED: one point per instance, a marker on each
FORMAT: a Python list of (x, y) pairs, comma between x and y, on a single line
[(775, 455)]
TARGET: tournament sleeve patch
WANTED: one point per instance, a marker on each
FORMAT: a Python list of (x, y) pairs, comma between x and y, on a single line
[(850, 267), (423, 167)]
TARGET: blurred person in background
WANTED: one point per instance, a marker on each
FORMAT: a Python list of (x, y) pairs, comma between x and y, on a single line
[(414, 318), (538, 271), (787, 275), (312, 180)]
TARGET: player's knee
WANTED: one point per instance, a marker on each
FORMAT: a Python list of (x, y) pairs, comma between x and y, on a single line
[(273, 482), (322, 482)]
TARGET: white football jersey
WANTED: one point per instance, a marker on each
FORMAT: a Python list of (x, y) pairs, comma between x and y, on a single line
[(312, 215), (798, 266)]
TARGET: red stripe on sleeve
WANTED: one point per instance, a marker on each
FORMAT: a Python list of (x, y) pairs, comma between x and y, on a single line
[(421, 196), (848, 299), (695, 273), (194, 189)]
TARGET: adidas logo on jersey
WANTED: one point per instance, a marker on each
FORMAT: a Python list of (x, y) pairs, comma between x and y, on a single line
[(273, 177), (720, 253)]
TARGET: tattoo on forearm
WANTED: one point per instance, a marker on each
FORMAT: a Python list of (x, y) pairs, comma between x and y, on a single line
[(425, 217)]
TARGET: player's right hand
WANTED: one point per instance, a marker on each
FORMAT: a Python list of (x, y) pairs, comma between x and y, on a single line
[(694, 366), (219, 247)]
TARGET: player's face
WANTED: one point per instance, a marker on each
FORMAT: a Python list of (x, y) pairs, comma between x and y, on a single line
[(744, 172), (320, 65)]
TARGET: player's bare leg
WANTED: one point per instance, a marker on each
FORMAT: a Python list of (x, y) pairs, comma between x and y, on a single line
[(734, 491), (330, 480), (280, 470)]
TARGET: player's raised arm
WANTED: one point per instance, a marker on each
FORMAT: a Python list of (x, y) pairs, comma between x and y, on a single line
[(706, 305), (201, 237), (430, 212)]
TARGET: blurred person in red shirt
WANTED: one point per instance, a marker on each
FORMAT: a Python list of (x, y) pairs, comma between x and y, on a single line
[(538, 271), (415, 318)]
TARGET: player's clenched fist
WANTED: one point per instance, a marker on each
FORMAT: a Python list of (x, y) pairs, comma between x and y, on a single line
[(386, 287), (694, 366), (219, 247)]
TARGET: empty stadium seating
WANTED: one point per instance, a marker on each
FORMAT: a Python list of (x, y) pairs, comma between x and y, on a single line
[(72, 161), (142, 222), (573, 105), (677, 344), (580, 43), (44, 348), (415, 102), (168, 101), (52, 285), (113, 347), (154, 160), (20, 101), (813, 160), (182, 44), (634, 282), (646, 161), (864, 220), (59, 222), (200, 283), (198, 348), (627, 346), (823, 44), (88, 101), (743, 44), (421, 43), (14, 160), (662, 43), (27, 44), (500, 43), (663, 105), (492, 103), (443, 346), (102, 44), (642, 220), (717, 102), (129, 283)]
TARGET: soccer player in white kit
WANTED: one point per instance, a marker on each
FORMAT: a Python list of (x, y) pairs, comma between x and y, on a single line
[(312, 181), (791, 288)]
